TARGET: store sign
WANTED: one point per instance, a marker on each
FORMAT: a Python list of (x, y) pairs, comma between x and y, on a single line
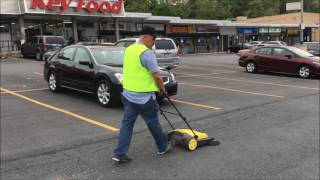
[(293, 6), (274, 30), (91, 6), (263, 30), (247, 30), (207, 29), (293, 31)]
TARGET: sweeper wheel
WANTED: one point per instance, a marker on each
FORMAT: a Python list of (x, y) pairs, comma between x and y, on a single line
[(191, 144)]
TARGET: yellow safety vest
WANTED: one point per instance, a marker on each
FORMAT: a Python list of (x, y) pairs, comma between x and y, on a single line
[(136, 77)]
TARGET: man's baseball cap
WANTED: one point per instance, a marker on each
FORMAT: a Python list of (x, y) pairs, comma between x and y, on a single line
[(148, 30)]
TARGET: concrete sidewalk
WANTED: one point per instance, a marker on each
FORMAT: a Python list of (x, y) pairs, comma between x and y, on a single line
[(10, 54)]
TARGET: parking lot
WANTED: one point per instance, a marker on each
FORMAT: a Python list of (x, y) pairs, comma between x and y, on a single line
[(267, 123)]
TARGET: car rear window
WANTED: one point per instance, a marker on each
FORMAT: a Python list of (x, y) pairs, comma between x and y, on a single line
[(55, 40), (164, 44)]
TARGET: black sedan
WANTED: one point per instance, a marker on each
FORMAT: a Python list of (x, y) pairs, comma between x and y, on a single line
[(95, 70)]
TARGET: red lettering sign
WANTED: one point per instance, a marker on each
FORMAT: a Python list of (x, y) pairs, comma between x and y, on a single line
[(54, 4), (38, 3), (91, 6)]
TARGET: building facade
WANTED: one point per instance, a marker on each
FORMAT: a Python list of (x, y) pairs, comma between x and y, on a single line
[(288, 27), (107, 21)]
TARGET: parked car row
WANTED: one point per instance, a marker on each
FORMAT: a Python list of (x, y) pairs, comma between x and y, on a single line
[(277, 58), (43, 47), (254, 44), (311, 47), (37, 46)]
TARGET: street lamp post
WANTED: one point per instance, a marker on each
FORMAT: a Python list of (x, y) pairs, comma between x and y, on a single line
[(301, 22)]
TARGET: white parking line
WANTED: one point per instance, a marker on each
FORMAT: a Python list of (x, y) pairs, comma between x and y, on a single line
[(195, 104), (199, 75), (234, 90), (37, 73), (257, 82)]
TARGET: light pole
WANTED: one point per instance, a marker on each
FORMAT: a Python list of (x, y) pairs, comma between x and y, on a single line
[(301, 22)]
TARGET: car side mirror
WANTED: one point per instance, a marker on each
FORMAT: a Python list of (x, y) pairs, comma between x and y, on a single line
[(86, 63), (289, 56)]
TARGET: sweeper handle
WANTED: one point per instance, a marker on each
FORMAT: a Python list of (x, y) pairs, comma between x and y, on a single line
[(165, 117), (179, 113)]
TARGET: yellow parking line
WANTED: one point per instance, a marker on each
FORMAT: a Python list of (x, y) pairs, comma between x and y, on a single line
[(27, 90), (234, 90), (195, 104), (82, 118)]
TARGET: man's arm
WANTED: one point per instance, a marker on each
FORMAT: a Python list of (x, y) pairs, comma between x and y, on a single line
[(158, 79)]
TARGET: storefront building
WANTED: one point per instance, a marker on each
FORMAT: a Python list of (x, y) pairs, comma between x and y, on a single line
[(106, 21), (285, 27)]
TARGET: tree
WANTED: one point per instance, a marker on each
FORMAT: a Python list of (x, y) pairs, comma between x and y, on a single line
[(216, 9), (200, 9), (137, 5)]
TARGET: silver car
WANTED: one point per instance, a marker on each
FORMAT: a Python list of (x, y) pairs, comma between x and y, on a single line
[(165, 49)]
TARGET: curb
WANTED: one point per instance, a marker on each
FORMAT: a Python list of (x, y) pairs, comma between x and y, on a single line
[(10, 54)]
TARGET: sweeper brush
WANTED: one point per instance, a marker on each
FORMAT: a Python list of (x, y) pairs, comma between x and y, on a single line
[(187, 138)]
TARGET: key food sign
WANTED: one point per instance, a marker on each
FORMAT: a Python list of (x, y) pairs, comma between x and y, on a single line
[(76, 7)]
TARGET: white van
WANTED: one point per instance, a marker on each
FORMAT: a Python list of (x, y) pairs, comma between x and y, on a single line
[(165, 49)]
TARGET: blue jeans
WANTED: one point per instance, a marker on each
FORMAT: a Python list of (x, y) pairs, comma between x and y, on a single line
[(149, 113)]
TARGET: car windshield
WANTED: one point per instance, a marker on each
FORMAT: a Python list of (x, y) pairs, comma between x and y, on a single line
[(108, 56), (300, 52), (55, 40)]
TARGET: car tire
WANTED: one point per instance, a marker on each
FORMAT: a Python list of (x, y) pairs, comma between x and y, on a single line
[(23, 54), (251, 67), (38, 56), (105, 94), (53, 83), (305, 72)]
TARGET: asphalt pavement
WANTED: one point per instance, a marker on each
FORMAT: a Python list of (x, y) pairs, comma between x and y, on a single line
[(267, 123)]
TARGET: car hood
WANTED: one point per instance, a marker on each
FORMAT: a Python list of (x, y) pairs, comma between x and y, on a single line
[(118, 69)]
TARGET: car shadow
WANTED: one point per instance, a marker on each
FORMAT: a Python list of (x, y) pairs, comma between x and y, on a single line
[(279, 74), (90, 98)]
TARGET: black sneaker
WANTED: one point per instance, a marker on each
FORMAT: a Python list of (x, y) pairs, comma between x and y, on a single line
[(121, 159), (168, 149)]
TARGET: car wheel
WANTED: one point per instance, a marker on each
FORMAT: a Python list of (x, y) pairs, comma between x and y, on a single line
[(251, 67), (105, 95), (304, 71), (23, 54), (38, 56), (54, 86)]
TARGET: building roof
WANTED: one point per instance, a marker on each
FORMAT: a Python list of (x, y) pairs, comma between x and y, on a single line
[(291, 18), (198, 21)]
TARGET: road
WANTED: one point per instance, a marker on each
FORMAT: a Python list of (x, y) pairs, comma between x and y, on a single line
[(268, 126)]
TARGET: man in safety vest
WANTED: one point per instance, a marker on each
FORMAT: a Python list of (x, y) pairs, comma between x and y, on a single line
[(141, 79)]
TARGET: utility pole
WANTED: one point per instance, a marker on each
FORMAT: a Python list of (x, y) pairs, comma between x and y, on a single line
[(301, 22)]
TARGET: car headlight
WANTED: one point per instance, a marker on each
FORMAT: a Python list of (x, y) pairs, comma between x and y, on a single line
[(316, 62), (119, 77), (172, 76)]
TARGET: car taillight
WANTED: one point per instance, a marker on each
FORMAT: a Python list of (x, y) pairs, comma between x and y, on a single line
[(45, 46), (243, 57)]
